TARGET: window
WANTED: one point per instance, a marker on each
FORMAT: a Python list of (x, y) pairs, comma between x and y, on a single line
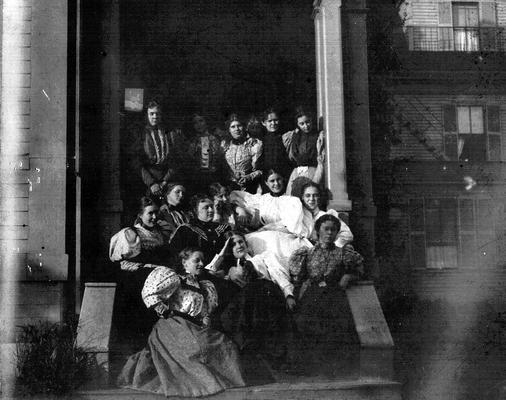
[(466, 26), (452, 232), (459, 26), (472, 133)]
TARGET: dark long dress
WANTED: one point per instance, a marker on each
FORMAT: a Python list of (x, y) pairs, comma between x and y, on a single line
[(255, 318), (323, 319)]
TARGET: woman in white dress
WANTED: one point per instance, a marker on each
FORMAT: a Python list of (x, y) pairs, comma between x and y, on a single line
[(311, 201)]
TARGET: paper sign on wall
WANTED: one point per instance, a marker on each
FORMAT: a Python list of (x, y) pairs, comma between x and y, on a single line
[(134, 99)]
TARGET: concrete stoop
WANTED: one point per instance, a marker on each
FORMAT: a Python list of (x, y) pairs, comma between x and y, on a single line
[(352, 390), (364, 372)]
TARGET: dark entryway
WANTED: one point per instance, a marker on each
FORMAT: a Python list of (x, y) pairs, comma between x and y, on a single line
[(191, 56), (218, 57)]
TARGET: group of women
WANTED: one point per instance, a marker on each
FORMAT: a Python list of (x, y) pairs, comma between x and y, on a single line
[(240, 274), (237, 157)]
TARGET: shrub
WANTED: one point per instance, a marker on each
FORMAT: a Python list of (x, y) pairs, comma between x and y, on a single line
[(48, 361)]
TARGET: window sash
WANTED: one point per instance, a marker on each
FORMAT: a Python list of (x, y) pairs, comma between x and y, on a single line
[(465, 15), (474, 243), (467, 133), (470, 120)]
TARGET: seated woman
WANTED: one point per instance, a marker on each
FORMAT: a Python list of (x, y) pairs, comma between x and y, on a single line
[(310, 198), (210, 237), (224, 212), (184, 356), (304, 146), (242, 154), (256, 316), (138, 249), (320, 275), (172, 213), (201, 231)]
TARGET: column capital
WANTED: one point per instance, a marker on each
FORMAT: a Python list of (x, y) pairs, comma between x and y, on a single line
[(340, 205)]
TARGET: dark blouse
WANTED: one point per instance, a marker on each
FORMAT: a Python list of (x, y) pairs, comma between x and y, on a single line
[(172, 218), (302, 149), (274, 155), (323, 265), (209, 237), (159, 158)]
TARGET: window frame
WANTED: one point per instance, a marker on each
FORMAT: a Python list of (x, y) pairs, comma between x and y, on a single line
[(485, 123), (476, 232)]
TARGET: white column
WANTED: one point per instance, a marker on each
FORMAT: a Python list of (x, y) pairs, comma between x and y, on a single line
[(329, 70)]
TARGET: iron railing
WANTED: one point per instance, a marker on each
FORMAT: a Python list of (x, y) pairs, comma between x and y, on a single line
[(434, 38)]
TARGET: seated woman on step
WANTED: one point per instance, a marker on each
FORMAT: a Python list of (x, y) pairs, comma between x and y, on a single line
[(311, 202), (138, 249), (256, 316), (172, 212), (210, 237), (224, 211), (320, 276), (184, 356)]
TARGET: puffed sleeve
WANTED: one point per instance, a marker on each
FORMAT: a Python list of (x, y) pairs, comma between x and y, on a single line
[(287, 139), (297, 265), (124, 245), (159, 286), (353, 261), (224, 145)]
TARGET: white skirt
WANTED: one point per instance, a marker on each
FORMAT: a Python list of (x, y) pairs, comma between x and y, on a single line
[(280, 244)]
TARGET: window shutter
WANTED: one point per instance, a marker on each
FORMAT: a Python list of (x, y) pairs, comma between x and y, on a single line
[(449, 118), (445, 13), (494, 133), (493, 119), (487, 17)]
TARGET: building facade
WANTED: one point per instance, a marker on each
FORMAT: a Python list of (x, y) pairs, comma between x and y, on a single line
[(448, 156)]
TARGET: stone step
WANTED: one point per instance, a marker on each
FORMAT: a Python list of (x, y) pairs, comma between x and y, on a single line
[(361, 389)]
